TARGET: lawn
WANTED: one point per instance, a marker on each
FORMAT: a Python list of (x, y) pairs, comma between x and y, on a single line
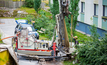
[(0, 39), (20, 18), (28, 10), (82, 37), (43, 36)]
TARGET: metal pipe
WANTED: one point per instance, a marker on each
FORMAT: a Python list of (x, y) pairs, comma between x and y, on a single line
[(71, 29)]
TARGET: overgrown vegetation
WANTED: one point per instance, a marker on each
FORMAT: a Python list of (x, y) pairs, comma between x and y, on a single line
[(37, 4), (54, 8), (94, 51), (44, 21), (73, 8), (0, 39), (29, 3)]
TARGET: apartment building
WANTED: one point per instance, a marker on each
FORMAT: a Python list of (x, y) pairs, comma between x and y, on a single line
[(92, 12)]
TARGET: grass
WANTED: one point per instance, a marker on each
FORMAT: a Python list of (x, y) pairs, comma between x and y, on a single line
[(28, 10), (0, 39), (82, 37), (43, 37), (69, 63), (20, 18), (48, 14)]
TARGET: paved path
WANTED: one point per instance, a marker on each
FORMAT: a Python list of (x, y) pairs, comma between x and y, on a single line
[(7, 27)]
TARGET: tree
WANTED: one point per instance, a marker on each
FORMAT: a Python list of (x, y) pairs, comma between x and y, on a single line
[(73, 8), (29, 3), (54, 8), (37, 4)]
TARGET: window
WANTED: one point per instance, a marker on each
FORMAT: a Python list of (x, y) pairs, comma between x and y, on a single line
[(95, 9), (82, 7), (104, 10), (17, 26)]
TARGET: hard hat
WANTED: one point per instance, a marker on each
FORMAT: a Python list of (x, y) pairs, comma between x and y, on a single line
[(75, 37)]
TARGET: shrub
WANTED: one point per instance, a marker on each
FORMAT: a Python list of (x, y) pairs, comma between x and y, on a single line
[(15, 13), (93, 52), (46, 23), (54, 8), (29, 3), (37, 4)]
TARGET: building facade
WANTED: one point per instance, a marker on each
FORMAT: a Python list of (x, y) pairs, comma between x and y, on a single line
[(92, 12)]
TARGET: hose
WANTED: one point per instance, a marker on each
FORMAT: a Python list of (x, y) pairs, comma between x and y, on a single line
[(7, 37)]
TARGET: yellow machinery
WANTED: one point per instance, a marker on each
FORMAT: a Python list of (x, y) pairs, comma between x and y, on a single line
[(4, 57), (7, 55)]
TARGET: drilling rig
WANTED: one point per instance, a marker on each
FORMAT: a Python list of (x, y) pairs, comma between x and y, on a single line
[(27, 44), (61, 30)]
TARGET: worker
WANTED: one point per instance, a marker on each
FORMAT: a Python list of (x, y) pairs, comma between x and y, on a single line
[(75, 40)]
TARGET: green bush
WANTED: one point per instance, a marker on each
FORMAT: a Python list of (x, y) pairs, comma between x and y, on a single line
[(93, 52), (37, 4), (29, 3), (30, 18), (43, 20), (46, 23), (54, 8), (0, 40)]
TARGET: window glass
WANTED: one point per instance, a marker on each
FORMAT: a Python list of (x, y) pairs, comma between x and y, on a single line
[(20, 27), (82, 6), (29, 28), (105, 10), (17, 26), (95, 9)]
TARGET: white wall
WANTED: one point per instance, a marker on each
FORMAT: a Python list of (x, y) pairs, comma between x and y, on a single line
[(79, 5), (89, 11), (100, 13)]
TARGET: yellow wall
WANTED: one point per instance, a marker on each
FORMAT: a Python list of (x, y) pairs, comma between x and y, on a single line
[(4, 58)]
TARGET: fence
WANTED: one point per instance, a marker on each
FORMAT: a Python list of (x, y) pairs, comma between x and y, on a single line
[(11, 3)]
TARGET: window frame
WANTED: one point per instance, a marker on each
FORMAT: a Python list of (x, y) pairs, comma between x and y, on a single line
[(82, 7)]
